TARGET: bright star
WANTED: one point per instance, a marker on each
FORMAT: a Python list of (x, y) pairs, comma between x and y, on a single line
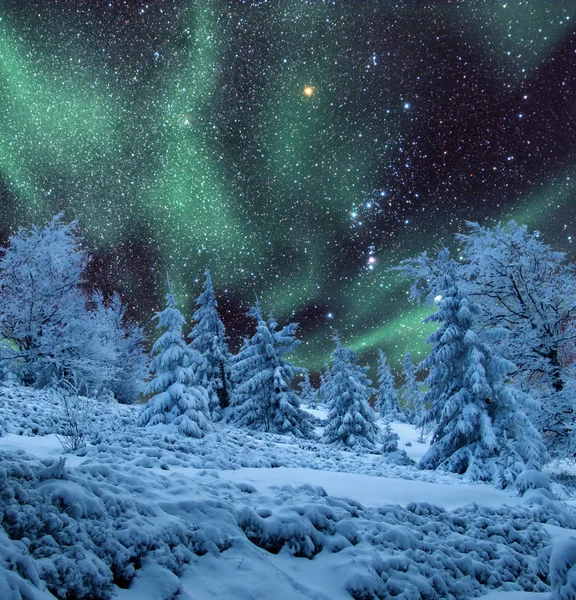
[(308, 90)]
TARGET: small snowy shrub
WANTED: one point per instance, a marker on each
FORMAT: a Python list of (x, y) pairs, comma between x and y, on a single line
[(76, 423), (389, 439), (79, 532), (531, 479)]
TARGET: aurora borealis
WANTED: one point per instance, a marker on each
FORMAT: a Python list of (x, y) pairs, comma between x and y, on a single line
[(298, 149)]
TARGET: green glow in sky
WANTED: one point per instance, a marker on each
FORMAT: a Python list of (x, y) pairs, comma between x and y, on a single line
[(181, 138)]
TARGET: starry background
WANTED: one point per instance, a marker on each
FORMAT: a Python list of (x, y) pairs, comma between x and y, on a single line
[(296, 148)]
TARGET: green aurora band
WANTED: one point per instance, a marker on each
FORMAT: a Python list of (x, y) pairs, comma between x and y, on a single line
[(73, 136)]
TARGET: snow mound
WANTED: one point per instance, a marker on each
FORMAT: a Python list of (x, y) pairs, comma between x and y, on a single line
[(563, 570), (82, 532)]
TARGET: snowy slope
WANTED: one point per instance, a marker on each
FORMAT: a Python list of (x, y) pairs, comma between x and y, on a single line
[(145, 514)]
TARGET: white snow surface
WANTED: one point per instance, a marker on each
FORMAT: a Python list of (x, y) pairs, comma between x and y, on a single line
[(370, 490), (146, 514)]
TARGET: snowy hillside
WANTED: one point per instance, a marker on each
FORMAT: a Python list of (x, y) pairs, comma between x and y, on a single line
[(146, 514)]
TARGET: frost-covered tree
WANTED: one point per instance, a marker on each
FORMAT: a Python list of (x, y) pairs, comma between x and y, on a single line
[(525, 287), (83, 354), (262, 398), (387, 396), (410, 394), (177, 398), (558, 417), (209, 339), (347, 392), (127, 340), (389, 438), (482, 429), (428, 275), (49, 332), (324, 379), (132, 365), (40, 293), (308, 394)]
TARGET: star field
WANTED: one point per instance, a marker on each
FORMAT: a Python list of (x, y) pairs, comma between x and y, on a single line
[(298, 149)]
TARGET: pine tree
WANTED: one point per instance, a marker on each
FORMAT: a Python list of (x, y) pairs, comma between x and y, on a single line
[(209, 339), (410, 394), (389, 438), (262, 398), (387, 397), (347, 392), (177, 398), (324, 379), (528, 288), (481, 430), (308, 395)]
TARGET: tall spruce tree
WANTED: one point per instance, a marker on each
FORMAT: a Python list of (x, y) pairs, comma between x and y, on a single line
[(324, 379), (347, 392), (524, 286), (481, 429), (209, 339), (308, 394), (177, 397), (410, 393), (387, 397), (262, 397)]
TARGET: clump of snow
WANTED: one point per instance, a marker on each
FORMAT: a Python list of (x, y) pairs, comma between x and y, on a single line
[(531, 479), (83, 532), (563, 570)]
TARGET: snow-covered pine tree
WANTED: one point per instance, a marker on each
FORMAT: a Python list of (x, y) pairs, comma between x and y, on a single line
[(410, 394), (308, 394), (389, 438), (525, 286), (127, 341), (262, 397), (133, 365), (177, 397), (347, 392), (209, 339), (324, 379), (481, 430), (387, 397)]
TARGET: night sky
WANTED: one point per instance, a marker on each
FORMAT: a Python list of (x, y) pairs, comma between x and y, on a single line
[(296, 148)]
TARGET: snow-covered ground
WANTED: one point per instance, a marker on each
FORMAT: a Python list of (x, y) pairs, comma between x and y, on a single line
[(145, 514), (370, 490)]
